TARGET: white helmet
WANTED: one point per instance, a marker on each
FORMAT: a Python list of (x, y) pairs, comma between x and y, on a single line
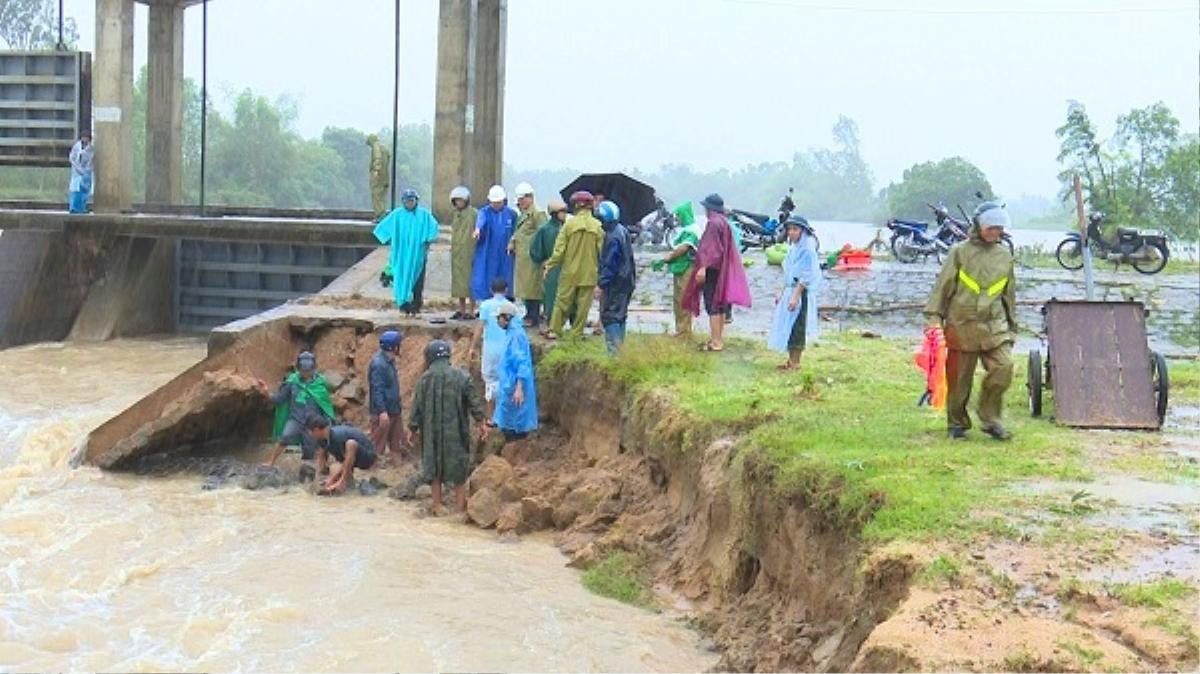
[(496, 194), (524, 190), (460, 192)]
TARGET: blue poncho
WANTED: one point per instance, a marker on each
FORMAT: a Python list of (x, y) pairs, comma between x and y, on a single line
[(492, 259), (800, 266), (410, 233), (517, 365)]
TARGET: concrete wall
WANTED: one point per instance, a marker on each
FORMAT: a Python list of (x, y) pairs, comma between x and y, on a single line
[(112, 94)]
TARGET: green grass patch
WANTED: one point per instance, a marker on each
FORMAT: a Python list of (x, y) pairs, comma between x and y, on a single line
[(845, 432), (1154, 594), (1184, 376), (619, 575), (1086, 656), (942, 570)]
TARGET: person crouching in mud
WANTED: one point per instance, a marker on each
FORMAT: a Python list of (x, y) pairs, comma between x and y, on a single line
[(443, 403), (347, 444), (302, 394)]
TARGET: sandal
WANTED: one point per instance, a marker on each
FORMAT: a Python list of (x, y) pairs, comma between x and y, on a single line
[(707, 346)]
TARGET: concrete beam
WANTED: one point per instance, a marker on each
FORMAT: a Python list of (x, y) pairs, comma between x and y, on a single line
[(487, 139), (112, 97), (164, 105), (451, 149)]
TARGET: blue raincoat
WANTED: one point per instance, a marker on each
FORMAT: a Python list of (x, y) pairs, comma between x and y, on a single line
[(410, 233), (800, 266), (517, 365), (492, 259)]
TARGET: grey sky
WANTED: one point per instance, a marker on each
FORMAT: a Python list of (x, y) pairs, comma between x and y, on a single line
[(711, 83)]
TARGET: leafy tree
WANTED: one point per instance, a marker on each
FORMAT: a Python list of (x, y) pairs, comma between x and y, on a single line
[(33, 24), (1144, 176), (954, 181)]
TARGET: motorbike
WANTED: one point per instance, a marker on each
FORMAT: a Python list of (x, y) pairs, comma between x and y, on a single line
[(1147, 252), (760, 230), (911, 239), (657, 227)]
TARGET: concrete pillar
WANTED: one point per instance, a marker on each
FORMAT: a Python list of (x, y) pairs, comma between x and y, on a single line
[(451, 150), (112, 100), (164, 105), (487, 143)]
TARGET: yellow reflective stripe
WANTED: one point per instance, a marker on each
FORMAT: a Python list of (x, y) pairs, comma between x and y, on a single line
[(968, 281), (997, 287)]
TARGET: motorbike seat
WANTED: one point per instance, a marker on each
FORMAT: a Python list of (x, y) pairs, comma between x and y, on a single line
[(1127, 232), (757, 217), (911, 223)]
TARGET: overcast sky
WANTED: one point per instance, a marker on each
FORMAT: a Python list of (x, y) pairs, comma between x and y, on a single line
[(723, 83)]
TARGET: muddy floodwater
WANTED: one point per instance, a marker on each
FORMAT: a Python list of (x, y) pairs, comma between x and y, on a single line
[(116, 572)]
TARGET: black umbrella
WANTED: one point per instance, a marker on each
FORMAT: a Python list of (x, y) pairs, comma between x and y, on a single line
[(634, 197)]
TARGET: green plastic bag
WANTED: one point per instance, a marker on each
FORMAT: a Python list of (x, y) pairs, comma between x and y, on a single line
[(776, 253)]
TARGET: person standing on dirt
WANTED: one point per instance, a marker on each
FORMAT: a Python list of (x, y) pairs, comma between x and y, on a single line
[(719, 276), (795, 322), (349, 445), (540, 250), (387, 427), (974, 301), (527, 275), (516, 401), (492, 335), (302, 395), (577, 251), (444, 403), (614, 287), (678, 261), (462, 251)]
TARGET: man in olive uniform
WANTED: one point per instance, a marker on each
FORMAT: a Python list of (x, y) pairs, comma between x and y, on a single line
[(462, 251), (527, 275), (577, 251), (380, 171), (444, 403), (974, 300)]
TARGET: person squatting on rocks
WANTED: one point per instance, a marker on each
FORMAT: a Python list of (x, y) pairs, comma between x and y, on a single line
[(540, 250), (462, 251), (617, 276), (302, 395), (795, 322), (577, 252), (527, 274), (679, 261), (974, 301), (493, 231), (82, 158), (349, 445), (493, 336), (443, 403), (516, 401), (387, 426), (409, 229), (719, 275)]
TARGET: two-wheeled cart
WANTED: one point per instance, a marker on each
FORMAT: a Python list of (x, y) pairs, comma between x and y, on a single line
[(1100, 367)]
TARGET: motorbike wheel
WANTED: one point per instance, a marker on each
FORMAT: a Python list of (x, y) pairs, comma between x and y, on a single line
[(1155, 265), (1162, 385), (903, 249), (1069, 254)]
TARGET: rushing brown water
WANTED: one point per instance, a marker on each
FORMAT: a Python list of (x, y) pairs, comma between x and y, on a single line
[(115, 572)]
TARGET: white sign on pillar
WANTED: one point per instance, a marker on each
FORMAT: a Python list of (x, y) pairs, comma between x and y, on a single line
[(106, 113)]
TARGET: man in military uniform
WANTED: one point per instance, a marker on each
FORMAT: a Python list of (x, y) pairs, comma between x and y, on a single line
[(974, 301), (380, 170)]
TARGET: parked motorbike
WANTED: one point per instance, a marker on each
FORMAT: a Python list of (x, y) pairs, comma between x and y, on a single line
[(657, 227), (1146, 252), (760, 230), (911, 239)]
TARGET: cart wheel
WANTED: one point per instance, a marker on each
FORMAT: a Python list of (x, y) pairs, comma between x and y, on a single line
[(1034, 382), (1161, 383)]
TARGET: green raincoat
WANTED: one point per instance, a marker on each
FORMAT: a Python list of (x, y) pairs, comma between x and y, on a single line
[(975, 295), (315, 388), (527, 276), (462, 251), (577, 250), (443, 404), (540, 250)]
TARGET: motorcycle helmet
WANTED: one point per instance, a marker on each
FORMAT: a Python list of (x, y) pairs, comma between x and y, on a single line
[(306, 361), (409, 193), (524, 190), (608, 212), (460, 192), (991, 214), (496, 194), (438, 349), (390, 340), (555, 206)]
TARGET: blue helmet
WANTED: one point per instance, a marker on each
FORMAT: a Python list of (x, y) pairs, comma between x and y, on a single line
[(608, 212), (389, 340), (438, 349), (409, 193)]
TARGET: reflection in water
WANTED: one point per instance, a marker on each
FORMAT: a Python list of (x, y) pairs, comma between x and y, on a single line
[(115, 572)]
